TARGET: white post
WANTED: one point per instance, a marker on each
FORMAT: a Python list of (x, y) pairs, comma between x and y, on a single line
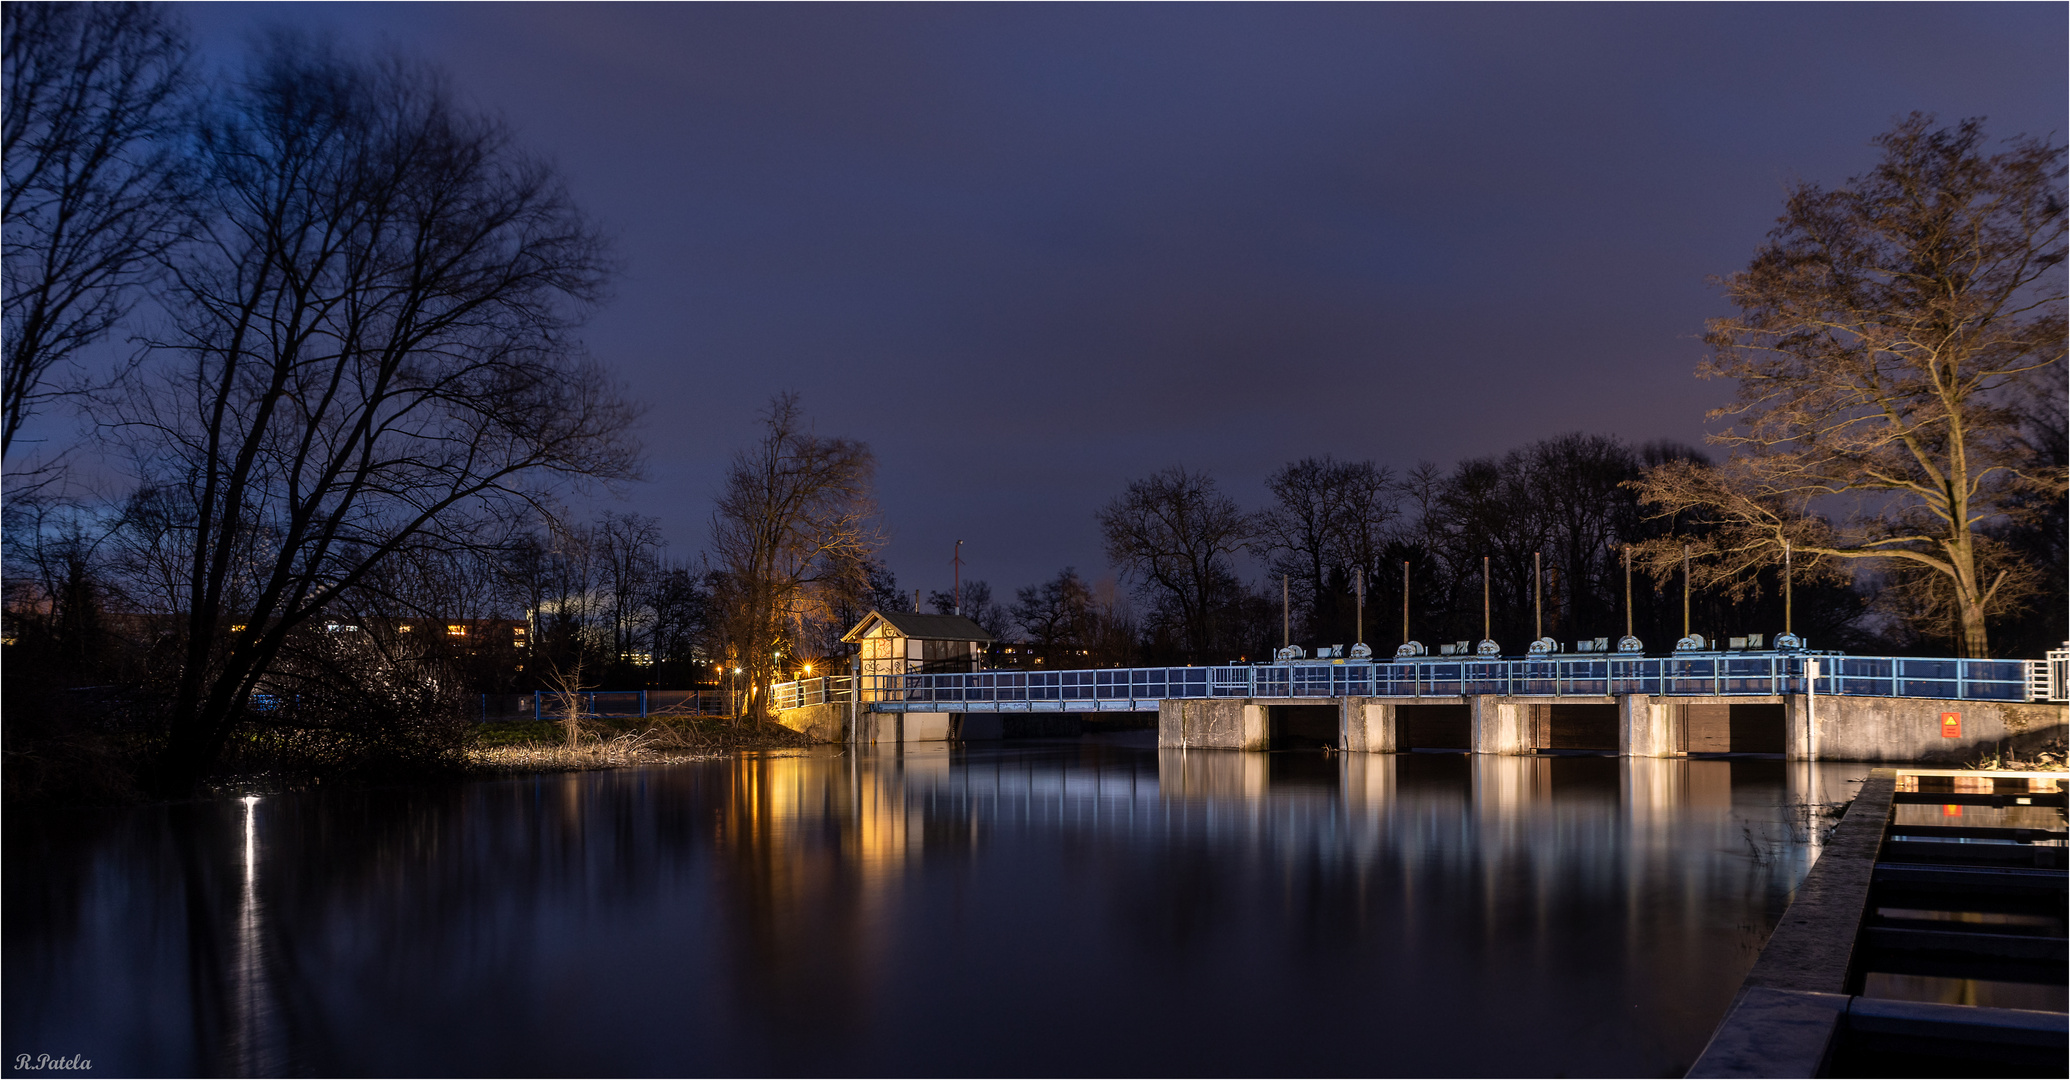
[(1810, 710)]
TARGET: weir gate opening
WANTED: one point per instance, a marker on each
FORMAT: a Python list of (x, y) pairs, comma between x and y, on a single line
[(1301, 727), (1574, 726), (1735, 728), (1433, 727)]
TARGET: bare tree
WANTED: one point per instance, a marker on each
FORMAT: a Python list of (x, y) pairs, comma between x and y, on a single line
[(794, 531), (978, 607), (1882, 337), (1299, 530), (371, 354), (92, 192), (568, 689), (1174, 533), (1057, 614), (1328, 520), (628, 545), (680, 598)]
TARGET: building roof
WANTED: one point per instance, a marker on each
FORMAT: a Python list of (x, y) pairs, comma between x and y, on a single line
[(912, 624)]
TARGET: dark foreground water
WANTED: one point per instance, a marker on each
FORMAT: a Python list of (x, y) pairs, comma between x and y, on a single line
[(1068, 907)]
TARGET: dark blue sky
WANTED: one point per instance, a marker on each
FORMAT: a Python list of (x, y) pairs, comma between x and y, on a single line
[(1030, 252)]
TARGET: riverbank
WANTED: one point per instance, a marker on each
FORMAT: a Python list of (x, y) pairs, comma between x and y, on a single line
[(543, 746), (102, 765)]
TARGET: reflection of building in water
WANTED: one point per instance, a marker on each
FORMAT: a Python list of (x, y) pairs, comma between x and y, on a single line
[(814, 851)]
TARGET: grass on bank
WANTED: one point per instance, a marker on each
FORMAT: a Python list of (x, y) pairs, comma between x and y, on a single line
[(2048, 757), (613, 742)]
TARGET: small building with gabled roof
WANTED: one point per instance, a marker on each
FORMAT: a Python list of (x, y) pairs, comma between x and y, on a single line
[(910, 643)]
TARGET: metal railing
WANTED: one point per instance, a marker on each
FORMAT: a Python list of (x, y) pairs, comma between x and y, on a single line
[(1717, 674), (816, 691), (2049, 680)]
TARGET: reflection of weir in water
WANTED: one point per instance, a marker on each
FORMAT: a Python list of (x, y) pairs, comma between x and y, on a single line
[(1414, 806), (1647, 834)]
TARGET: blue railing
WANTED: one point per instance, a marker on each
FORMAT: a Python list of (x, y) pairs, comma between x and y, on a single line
[(1715, 674)]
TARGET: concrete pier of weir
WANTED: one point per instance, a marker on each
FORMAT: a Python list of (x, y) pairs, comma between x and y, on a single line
[(1632, 725)]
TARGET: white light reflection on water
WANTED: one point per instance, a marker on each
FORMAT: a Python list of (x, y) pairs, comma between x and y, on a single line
[(1054, 907), (251, 1046)]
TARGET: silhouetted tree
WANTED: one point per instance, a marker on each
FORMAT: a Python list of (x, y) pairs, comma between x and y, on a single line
[(1173, 534), (978, 607), (93, 191), (628, 551), (368, 354), (1329, 521), (1055, 615)]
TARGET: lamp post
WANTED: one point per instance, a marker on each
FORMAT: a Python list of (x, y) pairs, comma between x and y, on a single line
[(1286, 612), (1786, 587), (1358, 578), (1487, 647), (1685, 590), (957, 595), (1628, 643)]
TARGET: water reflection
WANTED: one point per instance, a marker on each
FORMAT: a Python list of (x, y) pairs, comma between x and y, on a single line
[(1073, 906)]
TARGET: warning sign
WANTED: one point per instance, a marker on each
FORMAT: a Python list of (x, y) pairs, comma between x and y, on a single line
[(1951, 725)]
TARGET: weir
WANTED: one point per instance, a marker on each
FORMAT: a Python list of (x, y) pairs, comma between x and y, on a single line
[(1804, 706)]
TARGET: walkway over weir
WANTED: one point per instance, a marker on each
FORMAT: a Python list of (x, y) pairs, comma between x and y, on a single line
[(1743, 674)]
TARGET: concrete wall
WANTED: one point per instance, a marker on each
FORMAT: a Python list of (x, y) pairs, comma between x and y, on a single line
[(1909, 729), (822, 723), (1366, 726), (1500, 726), (1645, 726), (1219, 724), (880, 728)]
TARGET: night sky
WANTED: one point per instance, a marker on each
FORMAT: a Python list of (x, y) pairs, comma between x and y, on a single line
[(1029, 253)]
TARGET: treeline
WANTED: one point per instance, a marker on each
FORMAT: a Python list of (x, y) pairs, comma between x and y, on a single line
[(1551, 534), (1545, 526)]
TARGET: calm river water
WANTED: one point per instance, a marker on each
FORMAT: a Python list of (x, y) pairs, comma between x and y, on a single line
[(1059, 907)]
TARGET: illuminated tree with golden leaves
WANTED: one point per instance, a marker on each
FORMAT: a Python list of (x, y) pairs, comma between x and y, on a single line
[(1888, 334)]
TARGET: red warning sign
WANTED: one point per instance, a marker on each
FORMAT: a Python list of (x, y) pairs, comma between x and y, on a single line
[(1951, 725), (1951, 810)]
